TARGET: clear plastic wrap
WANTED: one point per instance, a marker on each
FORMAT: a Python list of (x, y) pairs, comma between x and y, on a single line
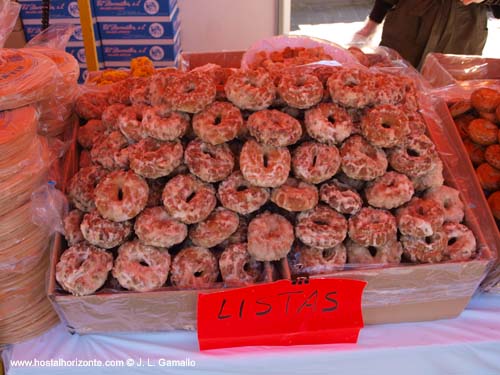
[(454, 78), (406, 292), (9, 11)]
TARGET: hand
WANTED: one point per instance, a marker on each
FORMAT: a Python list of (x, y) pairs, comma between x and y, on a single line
[(367, 30), (468, 2)]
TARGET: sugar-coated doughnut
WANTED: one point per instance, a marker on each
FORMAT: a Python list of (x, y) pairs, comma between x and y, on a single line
[(385, 126), (82, 185), (341, 197), (90, 105), (110, 116), (351, 88), (107, 150), (250, 89), (372, 227), (431, 179), (315, 162), (388, 253), (121, 195), (270, 237), (274, 128), (389, 191), (141, 267), (237, 194), (237, 267), (450, 201), (194, 268), (130, 124), (155, 227), (83, 269), (428, 249), (328, 123), (420, 217), (102, 232), (218, 123), (461, 243), (72, 231), (164, 126), (321, 227), (295, 195), (90, 133), (209, 163), (300, 90), (415, 157), (305, 260), (215, 229), (188, 199), (264, 165), (361, 160), (151, 158)]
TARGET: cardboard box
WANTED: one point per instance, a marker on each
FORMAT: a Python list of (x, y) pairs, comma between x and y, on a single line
[(77, 49), (125, 50), (394, 294), (32, 28), (32, 9), (113, 8), (139, 28)]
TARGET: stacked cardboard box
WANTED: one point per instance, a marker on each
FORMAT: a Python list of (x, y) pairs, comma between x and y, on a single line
[(61, 12), (141, 28)]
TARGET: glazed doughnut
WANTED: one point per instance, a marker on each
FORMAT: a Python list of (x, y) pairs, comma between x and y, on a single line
[(72, 231), (236, 194), (490, 116), (485, 99), (431, 179), (311, 261), (110, 116), (188, 199), (130, 124), (250, 89), (90, 105), (315, 162), (90, 133), (237, 267), (420, 217), (155, 190), (389, 191), (341, 197), (106, 151), (476, 152), (270, 237), (140, 267), (209, 163), (121, 195), (351, 88), (274, 128), (239, 236), (104, 233), (488, 177), (459, 108), (372, 227), (385, 126), (361, 160), (328, 123), (263, 165), (428, 249), (151, 158), (300, 90), (483, 132), (217, 228), (462, 123), (155, 227), (321, 228), (388, 253), (164, 126), (494, 203), (450, 201), (416, 157), (187, 92), (194, 267), (492, 155), (461, 244), (81, 187), (295, 195), (83, 269), (218, 123)]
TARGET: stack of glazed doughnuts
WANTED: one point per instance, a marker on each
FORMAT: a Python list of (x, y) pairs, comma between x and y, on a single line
[(212, 175), (478, 121)]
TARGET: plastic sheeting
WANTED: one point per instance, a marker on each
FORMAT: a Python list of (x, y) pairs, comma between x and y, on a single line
[(469, 344)]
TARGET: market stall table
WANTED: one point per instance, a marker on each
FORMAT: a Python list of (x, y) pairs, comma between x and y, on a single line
[(469, 344)]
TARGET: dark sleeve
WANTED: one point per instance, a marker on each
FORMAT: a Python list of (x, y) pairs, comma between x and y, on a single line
[(491, 2), (379, 10), (496, 10)]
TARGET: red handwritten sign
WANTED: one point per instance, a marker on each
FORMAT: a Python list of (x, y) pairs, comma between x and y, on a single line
[(315, 311)]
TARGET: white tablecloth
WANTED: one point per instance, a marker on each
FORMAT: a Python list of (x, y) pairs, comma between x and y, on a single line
[(469, 344)]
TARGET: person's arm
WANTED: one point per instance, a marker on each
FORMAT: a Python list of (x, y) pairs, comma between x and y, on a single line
[(379, 10)]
